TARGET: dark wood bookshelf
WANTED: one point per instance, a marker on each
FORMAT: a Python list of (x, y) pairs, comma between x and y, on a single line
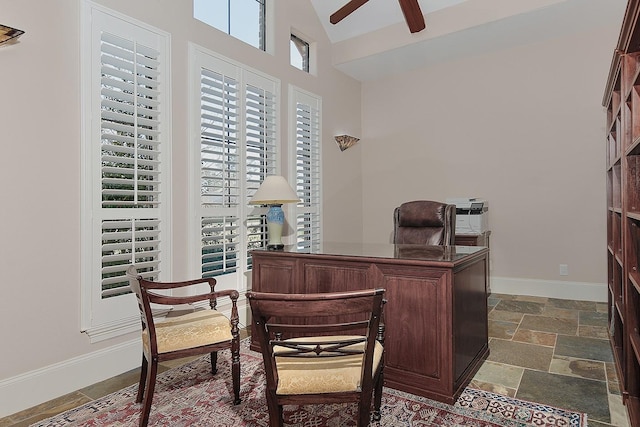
[(622, 101)]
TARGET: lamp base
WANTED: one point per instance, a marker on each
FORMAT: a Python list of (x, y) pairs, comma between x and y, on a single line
[(275, 222)]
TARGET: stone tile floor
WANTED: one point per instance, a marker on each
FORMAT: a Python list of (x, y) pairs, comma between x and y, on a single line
[(544, 350), (555, 352)]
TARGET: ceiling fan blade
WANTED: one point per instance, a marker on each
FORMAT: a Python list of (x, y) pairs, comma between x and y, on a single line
[(413, 15), (346, 10)]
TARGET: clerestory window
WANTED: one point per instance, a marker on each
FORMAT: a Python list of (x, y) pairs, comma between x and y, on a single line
[(299, 53), (242, 19)]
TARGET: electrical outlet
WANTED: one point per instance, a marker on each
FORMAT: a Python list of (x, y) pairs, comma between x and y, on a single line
[(564, 270)]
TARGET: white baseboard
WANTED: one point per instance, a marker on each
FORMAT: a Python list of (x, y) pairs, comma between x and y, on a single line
[(41, 385), (582, 291), (32, 388)]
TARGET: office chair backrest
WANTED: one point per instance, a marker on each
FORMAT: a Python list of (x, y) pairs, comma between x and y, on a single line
[(424, 222)]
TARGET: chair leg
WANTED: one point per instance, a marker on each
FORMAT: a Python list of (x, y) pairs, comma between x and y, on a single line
[(214, 362), (377, 397), (143, 377), (152, 371), (364, 411), (235, 369), (275, 410)]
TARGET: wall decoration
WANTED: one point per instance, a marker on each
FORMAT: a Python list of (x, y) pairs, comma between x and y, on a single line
[(8, 34), (346, 141)]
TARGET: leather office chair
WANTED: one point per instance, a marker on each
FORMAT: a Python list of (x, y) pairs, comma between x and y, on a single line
[(424, 222), (311, 356), (196, 332)]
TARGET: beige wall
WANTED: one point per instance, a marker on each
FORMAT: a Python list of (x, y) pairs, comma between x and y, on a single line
[(40, 132), (523, 128)]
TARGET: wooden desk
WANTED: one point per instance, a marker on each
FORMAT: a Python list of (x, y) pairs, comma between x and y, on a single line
[(479, 239), (436, 315)]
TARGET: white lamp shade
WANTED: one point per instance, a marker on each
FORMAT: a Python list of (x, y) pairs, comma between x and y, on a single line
[(274, 190)]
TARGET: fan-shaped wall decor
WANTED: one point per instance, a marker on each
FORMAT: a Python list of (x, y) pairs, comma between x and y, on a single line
[(346, 141), (8, 34)]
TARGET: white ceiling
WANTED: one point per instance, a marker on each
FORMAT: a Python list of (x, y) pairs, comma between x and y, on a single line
[(374, 41)]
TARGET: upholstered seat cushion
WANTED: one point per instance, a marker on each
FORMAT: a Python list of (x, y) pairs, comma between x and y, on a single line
[(190, 330), (313, 374)]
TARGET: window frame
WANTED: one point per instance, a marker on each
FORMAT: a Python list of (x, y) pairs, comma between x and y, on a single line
[(104, 318), (198, 57), (304, 49), (262, 22)]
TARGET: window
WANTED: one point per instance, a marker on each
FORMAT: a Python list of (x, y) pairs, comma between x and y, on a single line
[(306, 108), (299, 53), (233, 150), (125, 187), (242, 19)]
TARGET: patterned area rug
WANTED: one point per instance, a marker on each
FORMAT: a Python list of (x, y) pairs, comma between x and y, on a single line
[(190, 396)]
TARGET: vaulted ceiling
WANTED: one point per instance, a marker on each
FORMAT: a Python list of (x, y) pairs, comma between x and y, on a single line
[(374, 40)]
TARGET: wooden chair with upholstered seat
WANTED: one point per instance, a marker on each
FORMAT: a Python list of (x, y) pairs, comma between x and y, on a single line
[(313, 356), (195, 332)]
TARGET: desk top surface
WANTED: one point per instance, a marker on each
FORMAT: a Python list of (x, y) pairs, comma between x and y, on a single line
[(387, 251)]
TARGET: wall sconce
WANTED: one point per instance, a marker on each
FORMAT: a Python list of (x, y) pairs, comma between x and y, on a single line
[(346, 141), (9, 35)]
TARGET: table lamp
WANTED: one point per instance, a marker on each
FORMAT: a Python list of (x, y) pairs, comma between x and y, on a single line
[(273, 192)]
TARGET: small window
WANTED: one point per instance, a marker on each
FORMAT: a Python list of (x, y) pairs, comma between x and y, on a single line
[(299, 53), (242, 19)]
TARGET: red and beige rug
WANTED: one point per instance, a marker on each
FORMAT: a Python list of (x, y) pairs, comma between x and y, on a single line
[(190, 396)]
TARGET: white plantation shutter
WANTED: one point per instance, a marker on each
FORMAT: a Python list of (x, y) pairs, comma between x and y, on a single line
[(130, 123), (220, 157), (125, 188), (260, 149), (307, 168), (126, 241), (220, 242), (237, 150), (130, 155), (256, 234), (220, 176), (260, 137)]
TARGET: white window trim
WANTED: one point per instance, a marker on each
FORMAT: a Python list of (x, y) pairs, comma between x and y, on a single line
[(126, 317)]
